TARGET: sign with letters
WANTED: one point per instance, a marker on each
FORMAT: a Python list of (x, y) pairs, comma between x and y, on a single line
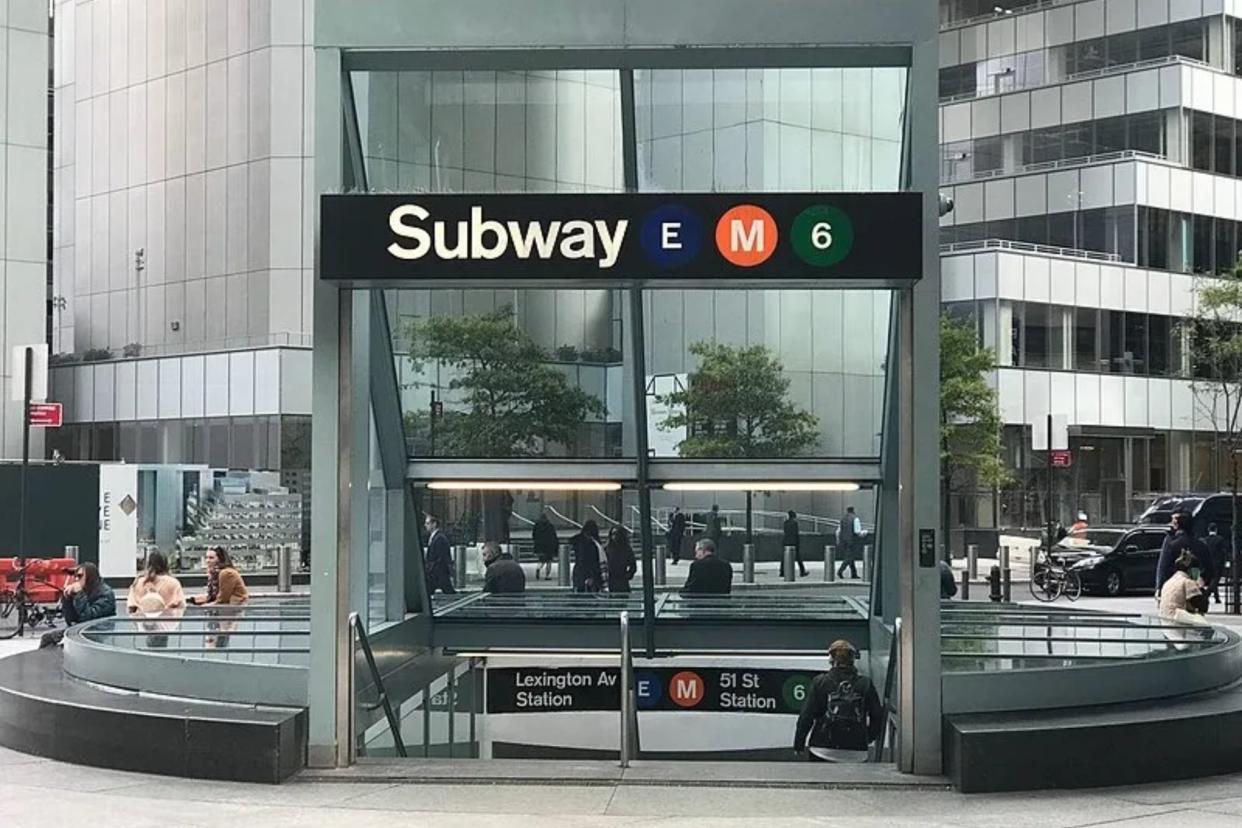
[(384, 239), (702, 689)]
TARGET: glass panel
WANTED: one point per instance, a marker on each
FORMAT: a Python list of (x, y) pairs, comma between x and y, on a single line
[(1159, 339), (1086, 321), (1201, 141), (1147, 132), (1224, 145), (1189, 39), (1135, 355), (1036, 336)]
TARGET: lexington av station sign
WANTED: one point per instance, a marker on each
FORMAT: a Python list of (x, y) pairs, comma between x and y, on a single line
[(854, 239)]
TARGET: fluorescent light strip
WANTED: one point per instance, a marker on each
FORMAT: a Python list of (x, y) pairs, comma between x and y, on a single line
[(526, 485), (763, 486)]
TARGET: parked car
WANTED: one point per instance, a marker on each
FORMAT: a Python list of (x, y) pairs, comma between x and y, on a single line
[(1113, 560), (1160, 512)]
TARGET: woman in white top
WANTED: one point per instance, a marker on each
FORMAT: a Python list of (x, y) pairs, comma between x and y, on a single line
[(155, 590), (1177, 602)]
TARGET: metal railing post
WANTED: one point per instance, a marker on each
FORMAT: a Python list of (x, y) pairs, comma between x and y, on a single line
[(1006, 575), (866, 562), (284, 569), (787, 569), (625, 690), (830, 563), (965, 585), (661, 564), (562, 565), (459, 559), (748, 563), (358, 636), (972, 559)]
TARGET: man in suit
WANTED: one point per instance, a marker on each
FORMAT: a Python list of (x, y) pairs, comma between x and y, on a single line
[(676, 531), (438, 564), (709, 574)]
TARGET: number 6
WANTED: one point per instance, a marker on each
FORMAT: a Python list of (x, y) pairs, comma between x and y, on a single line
[(821, 235)]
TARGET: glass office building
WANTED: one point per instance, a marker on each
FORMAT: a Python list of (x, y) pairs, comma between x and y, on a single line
[(419, 409)]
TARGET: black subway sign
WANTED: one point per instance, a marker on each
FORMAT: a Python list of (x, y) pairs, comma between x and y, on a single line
[(761, 237), (701, 689)]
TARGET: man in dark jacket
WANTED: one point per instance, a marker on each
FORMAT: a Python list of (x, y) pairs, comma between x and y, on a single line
[(1178, 541), (709, 574), (1218, 554), (842, 714), (438, 566), (948, 585), (547, 545), (504, 575), (714, 529), (849, 543), (676, 531), (792, 537)]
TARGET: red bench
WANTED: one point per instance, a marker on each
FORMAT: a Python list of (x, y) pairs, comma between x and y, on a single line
[(45, 577)]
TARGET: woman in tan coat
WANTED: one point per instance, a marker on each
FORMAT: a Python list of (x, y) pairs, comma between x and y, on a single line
[(155, 590)]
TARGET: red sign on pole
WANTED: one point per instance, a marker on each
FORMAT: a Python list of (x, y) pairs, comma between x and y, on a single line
[(1061, 459), (46, 415)]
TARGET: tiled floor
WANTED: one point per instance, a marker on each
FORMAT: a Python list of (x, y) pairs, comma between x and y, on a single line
[(37, 793)]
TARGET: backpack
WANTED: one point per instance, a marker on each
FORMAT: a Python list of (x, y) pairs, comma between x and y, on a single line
[(845, 721)]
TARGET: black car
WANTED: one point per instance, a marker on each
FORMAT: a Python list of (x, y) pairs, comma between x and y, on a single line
[(1113, 560), (1160, 512)]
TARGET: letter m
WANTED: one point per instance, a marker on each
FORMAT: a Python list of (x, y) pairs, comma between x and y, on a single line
[(741, 239), (687, 688)]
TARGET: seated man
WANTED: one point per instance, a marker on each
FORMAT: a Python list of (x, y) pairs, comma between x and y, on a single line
[(842, 713), (504, 575), (85, 599), (709, 574)]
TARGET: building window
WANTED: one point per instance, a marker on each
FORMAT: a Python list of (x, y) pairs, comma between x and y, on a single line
[(1134, 356), (1201, 138), (1159, 339), (1086, 339)]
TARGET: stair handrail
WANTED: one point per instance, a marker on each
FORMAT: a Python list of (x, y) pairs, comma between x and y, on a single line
[(355, 623)]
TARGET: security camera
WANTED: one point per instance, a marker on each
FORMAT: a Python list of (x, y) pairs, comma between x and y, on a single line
[(946, 205)]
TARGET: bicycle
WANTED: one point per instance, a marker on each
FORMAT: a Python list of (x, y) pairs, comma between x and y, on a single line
[(1049, 580), (18, 610)]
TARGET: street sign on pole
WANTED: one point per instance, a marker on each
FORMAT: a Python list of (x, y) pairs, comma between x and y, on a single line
[(46, 415), (38, 372), (1061, 459)]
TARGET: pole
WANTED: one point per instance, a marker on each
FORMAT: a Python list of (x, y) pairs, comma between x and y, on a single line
[(562, 565), (625, 689), (788, 562), (21, 503), (748, 563), (1048, 456), (830, 572), (431, 424), (661, 564)]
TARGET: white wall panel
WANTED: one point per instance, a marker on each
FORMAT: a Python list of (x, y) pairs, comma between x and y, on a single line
[(1182, 404), (1158, 186), (1061, 389), (998, 199), (1171, 86), (1015, 112), (1059, 25), (1029, 32), (986, 274), (83, 394), (1202, 89), (241, 383), (1088, 284), (1096, 184), (1061, 281), (1009, 276), (1184, 10), (1112, 287), (1158, 290), (1089, 19), (170, 388), (1112, 400), (295, 366), (957, 278), (1031, 195), (1151, 13), (1037, 396), (1076, 102), (1136, 401), (1009, 392), (148, 389), (1181, 294), (1204, 191), (1001, 37), (1036, 275), (1134, 283), (985, 117), (1119, 15), (1159, 404), (216, 382), (950, 49), (1124, 188), (105, 392), (1224, 94), (1143, 91), (1045, 108), (1110, 96), (126, 390), (267, 382), (1063, 191), (968, 205), (956, 122), (1224, 200), (1181, 195), (192, 386)]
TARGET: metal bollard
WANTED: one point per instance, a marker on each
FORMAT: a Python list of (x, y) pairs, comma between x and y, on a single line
[(994, 585), (661, 564), (72, 552), (788, 561), (284, 569), (562, 565), (1006, 574), (965, 585), (459, 558), (972, 559), (866, 563), (748, 563), (830, 563)]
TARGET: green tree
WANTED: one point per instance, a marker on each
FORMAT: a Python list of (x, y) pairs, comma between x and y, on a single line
[(970, 425), (1213, 339), (736, 405), (511, 402)]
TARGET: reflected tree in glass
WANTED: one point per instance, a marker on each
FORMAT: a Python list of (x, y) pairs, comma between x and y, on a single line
[(507, 400), (736, 405)]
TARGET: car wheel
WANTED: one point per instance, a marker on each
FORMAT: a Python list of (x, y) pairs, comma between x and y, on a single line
[(1112, 583)]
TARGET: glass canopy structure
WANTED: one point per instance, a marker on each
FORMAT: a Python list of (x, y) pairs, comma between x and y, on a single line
[(488, 404)]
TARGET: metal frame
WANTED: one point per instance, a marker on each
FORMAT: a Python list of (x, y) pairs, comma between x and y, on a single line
[(391, 35)]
